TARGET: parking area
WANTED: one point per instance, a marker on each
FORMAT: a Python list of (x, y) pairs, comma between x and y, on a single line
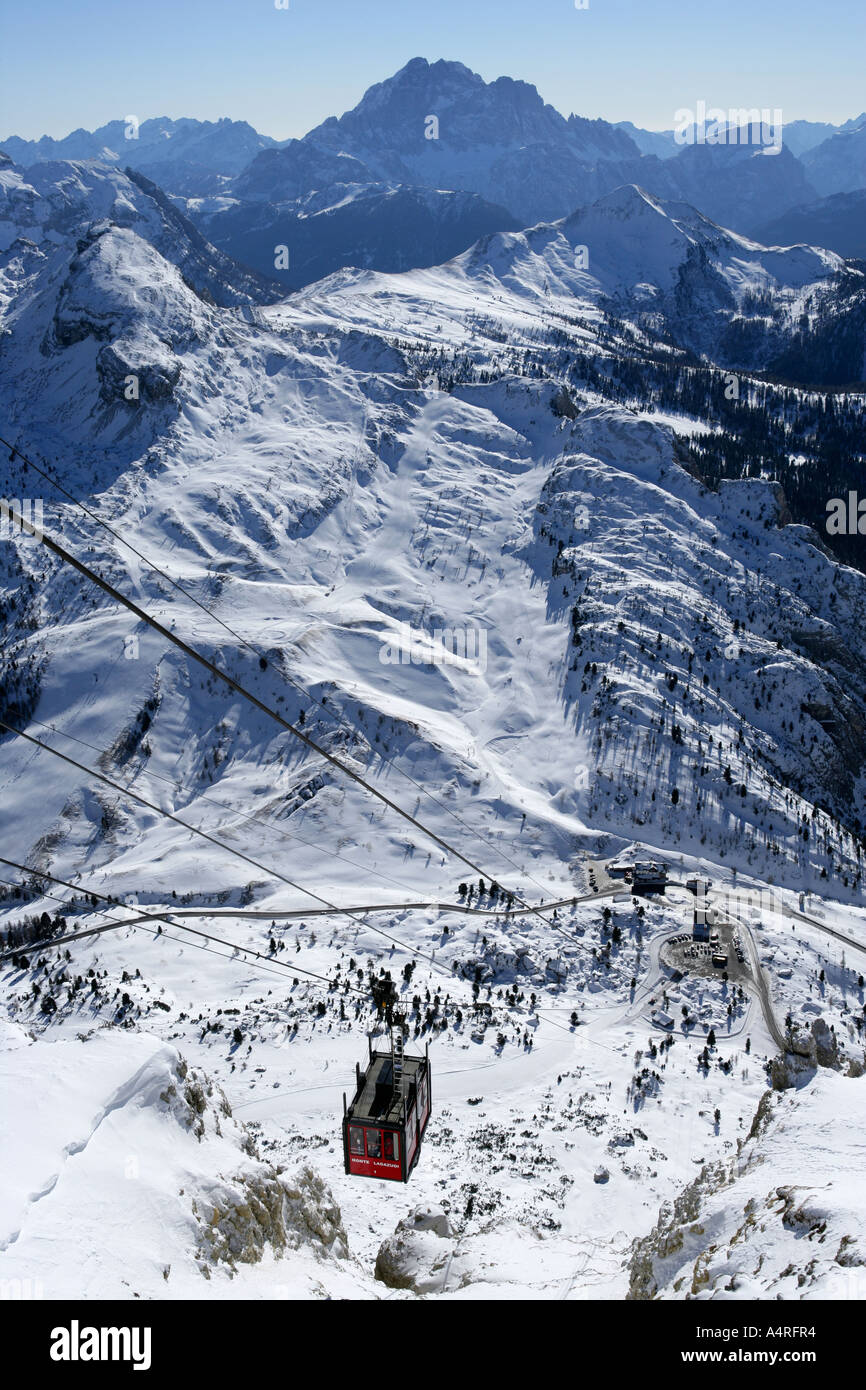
[(724, 953)]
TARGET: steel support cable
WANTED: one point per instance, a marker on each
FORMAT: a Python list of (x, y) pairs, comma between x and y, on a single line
[(240, 815), (136, 923), (203, 834)]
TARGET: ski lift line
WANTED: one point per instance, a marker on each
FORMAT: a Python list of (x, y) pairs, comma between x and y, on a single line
[(241, 815), (126, 791), (271, 915), (136, 923), (424, 904), (15, 451)]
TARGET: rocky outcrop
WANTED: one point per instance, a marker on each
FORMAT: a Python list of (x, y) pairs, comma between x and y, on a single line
[(259, 1207), (784, 1219), (239, 1220), (418, 1255)]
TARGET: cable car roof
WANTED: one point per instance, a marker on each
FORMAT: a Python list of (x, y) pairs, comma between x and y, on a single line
[(376, 1099)]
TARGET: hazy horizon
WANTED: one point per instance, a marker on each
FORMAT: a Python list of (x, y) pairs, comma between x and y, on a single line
[(286, 70)]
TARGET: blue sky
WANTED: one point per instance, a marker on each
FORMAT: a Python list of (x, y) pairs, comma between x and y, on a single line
[(73, 63)]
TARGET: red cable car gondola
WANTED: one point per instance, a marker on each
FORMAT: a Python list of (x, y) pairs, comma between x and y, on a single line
[(386, 1121)]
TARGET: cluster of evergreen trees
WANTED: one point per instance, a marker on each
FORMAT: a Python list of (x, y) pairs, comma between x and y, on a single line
[(37, 927)]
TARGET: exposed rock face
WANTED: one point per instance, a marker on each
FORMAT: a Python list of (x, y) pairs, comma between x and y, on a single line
[(241, 1216), (806, 1051), (562, 405), (311, 1212), (119, 373), (826, 1047), (264, 1208), (677, 1235), (792, 1068), (731, 1232), (418, 1255)]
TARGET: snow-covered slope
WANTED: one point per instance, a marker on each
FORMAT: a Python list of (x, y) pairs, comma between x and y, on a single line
[(125, 1175), (375, 458), (669, 268), (786, 1219), (47, 209)]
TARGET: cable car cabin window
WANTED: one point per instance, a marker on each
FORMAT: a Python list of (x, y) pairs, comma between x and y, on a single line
[(374, 1143), (356, 1140), (422, 1098), (392, 1146)]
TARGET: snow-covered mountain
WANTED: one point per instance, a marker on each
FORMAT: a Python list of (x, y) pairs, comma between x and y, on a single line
[(186, 157), (799, 136), (370, 225), (657, 142), (668, 668), (84, 318), (440, 126), (46, 209), (670, 270)]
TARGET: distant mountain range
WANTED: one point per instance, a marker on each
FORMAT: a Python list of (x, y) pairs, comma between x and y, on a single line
[(187, 157), (434, 157), (799, 136)]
